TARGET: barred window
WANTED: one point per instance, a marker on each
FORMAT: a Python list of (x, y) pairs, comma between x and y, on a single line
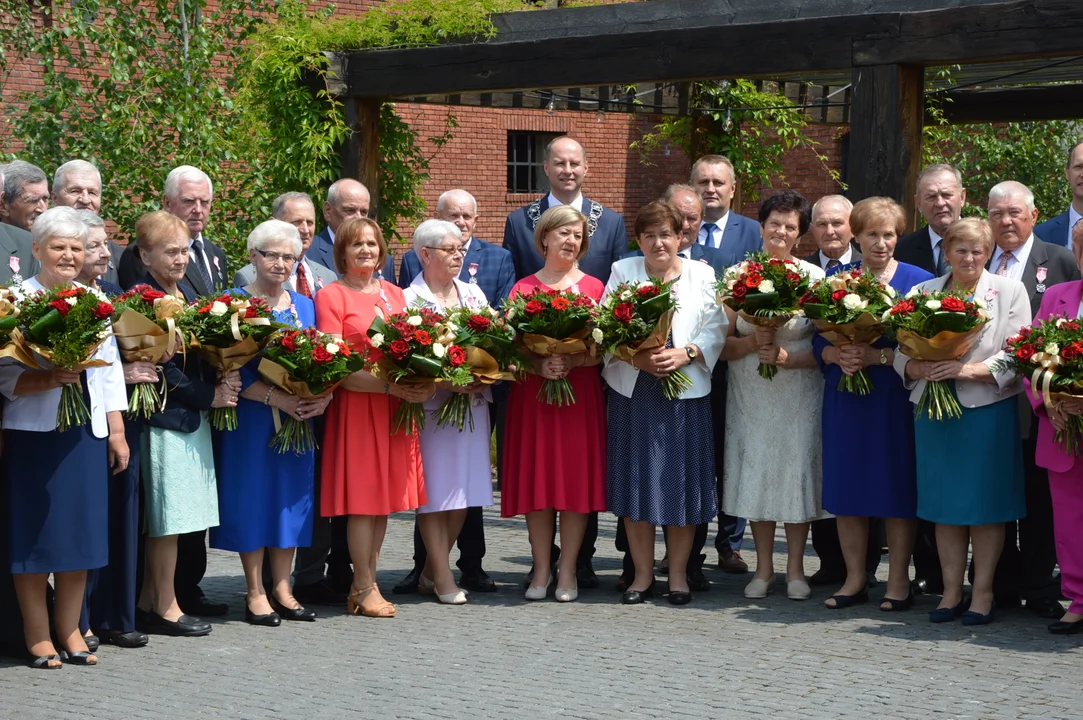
[(525, 171)]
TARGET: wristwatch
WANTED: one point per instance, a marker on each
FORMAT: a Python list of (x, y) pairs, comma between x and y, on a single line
[(883, 356), (693, 353)]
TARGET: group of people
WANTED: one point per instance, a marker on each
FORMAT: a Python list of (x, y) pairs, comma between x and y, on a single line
[(127, 553)]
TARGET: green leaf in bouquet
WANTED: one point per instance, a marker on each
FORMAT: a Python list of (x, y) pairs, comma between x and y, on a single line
[(378, 326), (426, 366), (953, 321), (815, 310), (47, 322), (653, 308), (761, 303), (10, 323)]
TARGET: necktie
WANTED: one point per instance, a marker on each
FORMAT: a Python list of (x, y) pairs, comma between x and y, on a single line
[(709, 239), (941, 264), (302, 281), (832, 263), (1002, 266), (201, 265)]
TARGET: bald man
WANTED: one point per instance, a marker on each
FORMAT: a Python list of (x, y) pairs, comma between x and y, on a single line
[(346, 198)]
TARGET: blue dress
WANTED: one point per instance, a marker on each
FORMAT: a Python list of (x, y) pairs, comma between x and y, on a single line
[(265, 498), (868, 441)]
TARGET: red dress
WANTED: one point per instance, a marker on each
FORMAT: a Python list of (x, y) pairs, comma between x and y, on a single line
[(365, 469), (554, 457)]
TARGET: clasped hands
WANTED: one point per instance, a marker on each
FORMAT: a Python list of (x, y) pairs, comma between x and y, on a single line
[(1061, 409), (661, 362), (936, 370), (770, 353), (227, 390), (855, 357)]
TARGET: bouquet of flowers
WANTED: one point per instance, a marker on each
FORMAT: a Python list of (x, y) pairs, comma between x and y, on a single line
[(936, 326), (553, 323), (1050, 354), (765, 292), (145, 325), (11, 340), (228, 330), (308, 364), (416, 347), (66, 326), (847, 308), (636, 318)]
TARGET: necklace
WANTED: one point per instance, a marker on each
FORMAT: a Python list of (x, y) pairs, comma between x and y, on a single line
[(885, 274), (369, 287)]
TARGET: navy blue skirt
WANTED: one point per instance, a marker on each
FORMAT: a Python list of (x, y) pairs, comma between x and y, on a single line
[(56, 488)]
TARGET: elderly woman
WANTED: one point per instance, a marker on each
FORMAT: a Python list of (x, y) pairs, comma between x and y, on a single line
[(266, 499), (1065, 469), (872, 475), (773, 468), (660, 451), (457, 470), (367, 471), (554, 456), (971, 495), (56, 483), (97, 257), (179, 481)]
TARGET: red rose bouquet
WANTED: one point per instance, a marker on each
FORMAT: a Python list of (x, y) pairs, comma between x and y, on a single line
[(847, 308), (553, 323), (66, 326), (145, 325), (765, 292), (416, 347), (637, 318), (936, 326), (308, 364), (492, 355), (1050, 355), (228, 330)]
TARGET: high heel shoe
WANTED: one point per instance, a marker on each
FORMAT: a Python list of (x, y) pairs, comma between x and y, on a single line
[(943, 615), (538, 592), (425, 586), (354, 606), (452, 598), (566, 595)]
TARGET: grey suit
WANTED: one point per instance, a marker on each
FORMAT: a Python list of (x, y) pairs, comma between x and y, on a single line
[(16, 256), (321, 276)]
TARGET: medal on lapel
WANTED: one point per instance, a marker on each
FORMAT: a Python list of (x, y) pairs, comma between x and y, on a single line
[(473, 270), (13, 263), (1041, 274)]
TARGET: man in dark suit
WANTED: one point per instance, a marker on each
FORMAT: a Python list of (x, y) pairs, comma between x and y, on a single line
[(831, 231), (346, 198), (940, 197), (16, 253), (731, 233), (490, 267), (1026, 572), (565, 165), (1059, 229), (78, 184)]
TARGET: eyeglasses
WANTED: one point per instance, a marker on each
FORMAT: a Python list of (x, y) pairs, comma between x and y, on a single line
[(274, 257), (451, 250)]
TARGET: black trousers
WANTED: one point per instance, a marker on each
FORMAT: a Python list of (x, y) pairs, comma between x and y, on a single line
[(826, 544)]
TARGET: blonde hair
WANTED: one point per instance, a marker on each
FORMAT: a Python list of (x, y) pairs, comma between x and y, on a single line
[(153, 226), (558, 217), (969, 230), (874, 211)]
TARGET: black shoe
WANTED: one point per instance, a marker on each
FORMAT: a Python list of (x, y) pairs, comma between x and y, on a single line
[(286, 613), (93, 642), (1012, 601), (271, 619), (319, 593), (78, 658), (827, 577), (636, 597), (200, 606), (406, 586), (132, 639), (184, 626), (943, 615), (679, 597), (1044, 608), (478, 581), (624, 581), (698, 581), (894, 605), (42, 662), (1066, 628), (845, 601), (585, 576)]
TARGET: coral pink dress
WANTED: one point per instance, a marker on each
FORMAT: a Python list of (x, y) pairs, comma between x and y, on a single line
[(554, 457), (366, 470)]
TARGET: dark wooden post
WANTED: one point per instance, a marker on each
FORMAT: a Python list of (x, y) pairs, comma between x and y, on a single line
[(361, 151), (886, 114)]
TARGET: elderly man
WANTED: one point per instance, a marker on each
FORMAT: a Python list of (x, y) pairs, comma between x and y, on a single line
[(346, 198), (1059, 229), (565, 165), (831, 231), (15, 247), (78, 184), (730, 233), (188, 195), (490, 267), (940, 197), (307, 276), (26, 194)]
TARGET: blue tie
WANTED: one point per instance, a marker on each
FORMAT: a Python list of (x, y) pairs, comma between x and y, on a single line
[(709, 239)]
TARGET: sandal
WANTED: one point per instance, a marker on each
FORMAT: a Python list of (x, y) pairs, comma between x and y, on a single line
[(78, 657), (42, 662), (354, 606), (897, 605)]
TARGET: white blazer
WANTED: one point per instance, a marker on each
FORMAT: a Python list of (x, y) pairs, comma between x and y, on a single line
[(37, 412), (1008, 307), (699, 320), (419, 295)]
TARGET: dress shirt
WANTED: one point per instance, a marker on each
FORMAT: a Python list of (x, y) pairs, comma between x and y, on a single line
[(846, 259), (577, 203), (1073, 218), (935, 240), (715, 240), (1016, 263)]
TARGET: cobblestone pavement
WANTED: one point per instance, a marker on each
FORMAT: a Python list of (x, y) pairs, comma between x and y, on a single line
[(501, 657)]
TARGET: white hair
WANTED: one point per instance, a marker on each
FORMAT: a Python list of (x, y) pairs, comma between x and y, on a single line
[(936, 170), (675, 188), (185, 172), (826, 199), (18, 174), (59, 222), (1007, 189), (431, 233), (60, 177), (269, 230), (441, 203), (279, 204), (90, 218)]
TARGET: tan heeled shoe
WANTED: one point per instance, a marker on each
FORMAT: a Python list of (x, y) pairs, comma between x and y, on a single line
[(354, 606)]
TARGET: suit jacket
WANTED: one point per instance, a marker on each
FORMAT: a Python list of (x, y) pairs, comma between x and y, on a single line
[(322, 251), (16, 254), (1058, 264), (699, 253), (699, 320), (740, 237), (916, 249), (494, 270), (608, 239), (1008, 310), (132, 270), (320, 276), (814, 258), (1055, 230), (1064, 300)]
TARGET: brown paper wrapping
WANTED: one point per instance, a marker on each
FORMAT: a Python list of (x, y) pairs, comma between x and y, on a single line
[(776, 321), (17, 349), (545, 346), (47, 354), (484, 367), (140, 339), (280, 377), (866, 329), (656, 339), (946, 345), (383, 369), (232, 358)]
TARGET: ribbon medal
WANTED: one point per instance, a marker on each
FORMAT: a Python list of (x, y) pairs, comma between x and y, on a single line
[(473, 270), (1041, 273)]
